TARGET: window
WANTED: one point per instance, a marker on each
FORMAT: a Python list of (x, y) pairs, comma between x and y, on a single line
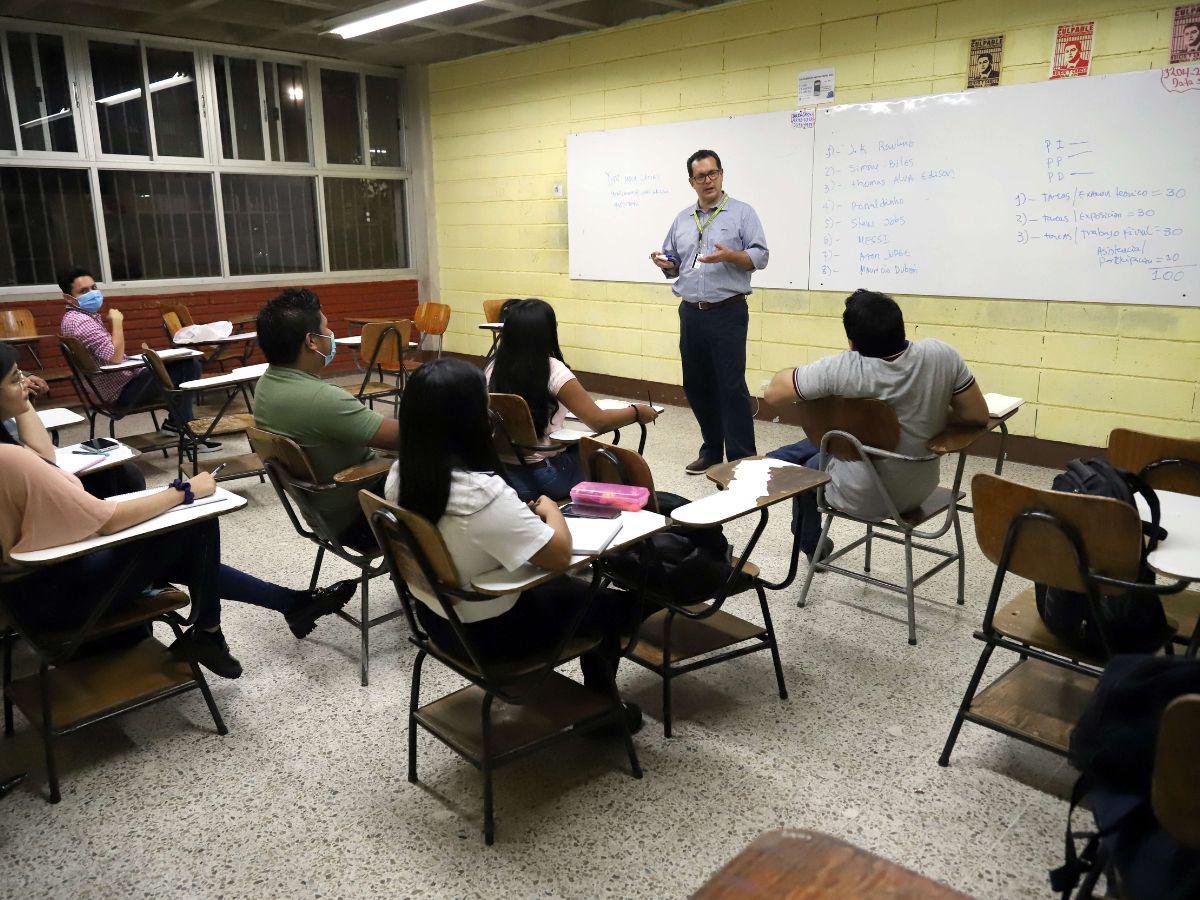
[(242, 102), (343, 131), (8, 140), (270, 224), (45, 120), (170, 75), (383, 120), (365, 224), (287, 115), (47, 224), (239, 108), (160, 224)]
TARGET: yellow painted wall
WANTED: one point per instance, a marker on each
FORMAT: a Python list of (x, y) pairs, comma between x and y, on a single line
[(500, 122)]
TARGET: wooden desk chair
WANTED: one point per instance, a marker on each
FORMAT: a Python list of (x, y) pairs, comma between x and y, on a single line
[(682, 637), (1074, 542), (513, 431), (1175, 792), (177, 315), (83, 372), (296, 484), (432, 320), (539, 706), (18, 323), (69, 692), (196, 432), (382, 357), (864, 431)]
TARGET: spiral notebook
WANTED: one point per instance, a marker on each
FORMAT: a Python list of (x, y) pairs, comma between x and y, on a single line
[(592, 536)]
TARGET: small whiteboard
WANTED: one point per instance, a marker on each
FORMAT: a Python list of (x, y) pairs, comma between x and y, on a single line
[(1079, 189), (625, 187)]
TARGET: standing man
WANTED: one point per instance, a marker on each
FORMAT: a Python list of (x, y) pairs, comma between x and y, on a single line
[(710, 251)]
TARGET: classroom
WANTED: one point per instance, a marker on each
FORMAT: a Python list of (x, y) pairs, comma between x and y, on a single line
[(697, 448)]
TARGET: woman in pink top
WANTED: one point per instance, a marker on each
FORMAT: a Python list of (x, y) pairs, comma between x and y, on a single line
[(530, 363), (41, 506)]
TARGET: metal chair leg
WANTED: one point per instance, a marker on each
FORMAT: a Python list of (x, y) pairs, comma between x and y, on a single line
[(666, 674), (364, 628), (413, 705), (635, 767), (312, 582), (962, 561), (908, 588), (489, 827), (812, 566), (8, 705), (972, 687), (48, 734), (202, 682), (870, 539), (771, 641)]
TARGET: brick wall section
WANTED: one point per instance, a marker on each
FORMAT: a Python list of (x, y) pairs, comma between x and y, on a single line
[(500, 123), (143, 321)]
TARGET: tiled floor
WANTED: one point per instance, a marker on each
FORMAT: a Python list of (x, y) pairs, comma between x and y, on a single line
[(307, 795)]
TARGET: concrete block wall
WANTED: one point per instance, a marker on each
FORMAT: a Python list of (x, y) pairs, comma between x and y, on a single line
[(499, 125)]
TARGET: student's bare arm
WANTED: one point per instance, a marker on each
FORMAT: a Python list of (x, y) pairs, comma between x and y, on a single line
[(387, 437), (580, 402), (968, 407), (782, 389)]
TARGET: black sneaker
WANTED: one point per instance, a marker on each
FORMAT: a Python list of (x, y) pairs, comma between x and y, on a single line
[(699, 466), (303, 619), (823, 553), (210, 650), (633, 718)]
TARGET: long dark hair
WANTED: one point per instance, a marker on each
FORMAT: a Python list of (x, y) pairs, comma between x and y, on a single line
[(8, 362), (522, 365), (444, 425)]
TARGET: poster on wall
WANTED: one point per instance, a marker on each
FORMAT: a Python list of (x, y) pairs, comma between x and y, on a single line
[(1185, 34), (983, 63), (816, 87), (1072, 50)]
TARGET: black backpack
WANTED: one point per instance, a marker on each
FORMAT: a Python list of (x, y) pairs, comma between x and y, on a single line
[(1113, 747), (1133, 622)]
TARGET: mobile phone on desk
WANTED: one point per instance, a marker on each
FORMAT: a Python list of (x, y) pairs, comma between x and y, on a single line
[(581, 511), (100, 445)]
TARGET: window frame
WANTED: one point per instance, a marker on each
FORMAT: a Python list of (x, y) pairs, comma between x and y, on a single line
[(11, 26), (417, 213)]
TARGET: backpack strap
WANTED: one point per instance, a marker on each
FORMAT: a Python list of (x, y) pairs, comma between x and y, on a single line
[(1151, 529), (1064, 879)]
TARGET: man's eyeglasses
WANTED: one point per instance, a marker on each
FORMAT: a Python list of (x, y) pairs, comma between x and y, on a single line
[(706, 176)]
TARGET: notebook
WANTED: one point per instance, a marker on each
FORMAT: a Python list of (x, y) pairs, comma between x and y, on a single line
[(592, 536), (999, 405)]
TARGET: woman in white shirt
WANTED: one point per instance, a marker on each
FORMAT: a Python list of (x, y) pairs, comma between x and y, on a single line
[(529, 363), (452, 463)]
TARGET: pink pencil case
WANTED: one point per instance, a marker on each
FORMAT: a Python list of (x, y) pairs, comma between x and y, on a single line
[(621, 496)]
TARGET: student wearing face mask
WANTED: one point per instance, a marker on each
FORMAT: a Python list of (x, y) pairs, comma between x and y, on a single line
[(84, 319), (335, 429)]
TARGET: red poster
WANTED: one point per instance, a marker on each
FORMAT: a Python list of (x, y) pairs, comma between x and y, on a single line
[(1072, 50), (1185, 34)]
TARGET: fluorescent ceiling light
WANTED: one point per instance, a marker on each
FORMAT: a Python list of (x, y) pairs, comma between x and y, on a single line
[(387, 15), (155, 86)]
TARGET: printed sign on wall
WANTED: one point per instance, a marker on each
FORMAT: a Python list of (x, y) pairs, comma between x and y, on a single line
[(983, 65), (1072, 50), (1185, 34)]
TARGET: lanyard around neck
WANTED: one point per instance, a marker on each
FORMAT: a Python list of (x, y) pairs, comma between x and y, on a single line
[(696, 215)]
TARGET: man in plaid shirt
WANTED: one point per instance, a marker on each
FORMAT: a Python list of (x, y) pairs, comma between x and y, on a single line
[(127, 387)]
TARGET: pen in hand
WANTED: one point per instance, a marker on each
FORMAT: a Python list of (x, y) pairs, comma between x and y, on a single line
[(650, 403), (218, 469)]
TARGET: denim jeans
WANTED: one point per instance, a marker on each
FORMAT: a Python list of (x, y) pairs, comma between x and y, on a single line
[(63, 596), (145, 387), (806, 519), (554, 478)]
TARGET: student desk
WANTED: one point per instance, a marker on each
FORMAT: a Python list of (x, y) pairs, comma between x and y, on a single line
[(137, 361), (76, 460), (56, 418), (754, 483), (28, 342), (495, 328), (790, 864), (635, 526), (233, 383), (959, 438), (231, 339), (1178, 557), (574, 434)]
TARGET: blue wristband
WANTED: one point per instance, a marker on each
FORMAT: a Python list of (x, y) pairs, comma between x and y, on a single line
[(184, 488)]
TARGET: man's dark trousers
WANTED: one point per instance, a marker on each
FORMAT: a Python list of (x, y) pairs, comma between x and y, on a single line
[(712, 345)]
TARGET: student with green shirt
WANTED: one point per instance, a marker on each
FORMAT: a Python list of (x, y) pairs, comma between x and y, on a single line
[(332, 426)]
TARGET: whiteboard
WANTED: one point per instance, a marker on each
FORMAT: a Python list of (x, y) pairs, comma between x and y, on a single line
[(625, 187), (1080, 189)]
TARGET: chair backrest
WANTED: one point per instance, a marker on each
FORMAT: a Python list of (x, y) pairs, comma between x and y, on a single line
[(413, 549), (17, 323), (286, 453), (873, 422), (616, 465), (515, 419), (383, 343), (491, 310), (1135, 450), (1175, 792), (155, 364), (432, 318), (1109, 531), (78, 357)]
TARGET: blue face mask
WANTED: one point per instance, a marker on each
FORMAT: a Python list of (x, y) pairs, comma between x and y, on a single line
[(328, 357), (91, 301)]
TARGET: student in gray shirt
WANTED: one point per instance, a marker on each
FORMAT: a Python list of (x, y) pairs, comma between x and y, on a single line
[(926, 383)]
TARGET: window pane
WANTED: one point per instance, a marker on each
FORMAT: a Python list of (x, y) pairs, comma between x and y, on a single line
[(47, 224), (160, 224), (270, 224), (117, 82), (339, 100), (43, 92), (237, 86), (7, 140), (268, 72), (293, 113), (366, 224), (383, 120), (172, 77)]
